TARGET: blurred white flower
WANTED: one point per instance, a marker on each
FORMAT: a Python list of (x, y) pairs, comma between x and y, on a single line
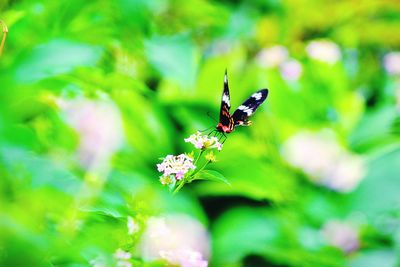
[(324, 160), (97, 262), (391, 62), (133, 226), (184, 258), (345, 175), (201, 141), (99, 125), (291, 70), (123, 258), (341, 235), (324, 50), (272, 56), (179, 239)]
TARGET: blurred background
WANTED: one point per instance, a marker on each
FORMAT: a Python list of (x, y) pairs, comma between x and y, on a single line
[(94, 93)]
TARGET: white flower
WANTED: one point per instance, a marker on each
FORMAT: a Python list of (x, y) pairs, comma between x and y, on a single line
[(175, 166), (291, 70), (201, 141), (272, 56), (97, 262), (324, 161), (133, 227), (341, 235), (123, 258), (184, 258), (391, 62), (324, 50), (345, 175), (179, 239), (99, 125)]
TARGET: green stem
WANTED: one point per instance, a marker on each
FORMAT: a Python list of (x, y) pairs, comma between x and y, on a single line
[(198, 156), (178, 187), (202, 168)]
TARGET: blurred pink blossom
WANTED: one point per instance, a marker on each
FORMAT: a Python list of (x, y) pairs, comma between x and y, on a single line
[(99, 125), (272, 56), (177, 238), (341, 235), (291, 70), (391, 62), (324, 160), (324, 51)]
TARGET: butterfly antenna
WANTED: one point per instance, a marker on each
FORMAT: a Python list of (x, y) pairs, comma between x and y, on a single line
[(208, 114), (205, 130)]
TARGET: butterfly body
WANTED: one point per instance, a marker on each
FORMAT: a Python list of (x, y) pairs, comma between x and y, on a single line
[(228, 122)]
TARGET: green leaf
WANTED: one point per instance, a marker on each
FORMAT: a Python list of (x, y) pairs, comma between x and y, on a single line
[(383, 258), (378, 192), (174, 57), (211, 176), (253, 231), (56, 57)]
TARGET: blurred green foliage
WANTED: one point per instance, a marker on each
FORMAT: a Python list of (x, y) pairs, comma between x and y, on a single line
[(159, 66)]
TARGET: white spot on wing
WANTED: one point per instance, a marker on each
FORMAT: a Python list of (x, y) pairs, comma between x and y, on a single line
[(225, 99), (245, 109), (225, 78), (257, 96)]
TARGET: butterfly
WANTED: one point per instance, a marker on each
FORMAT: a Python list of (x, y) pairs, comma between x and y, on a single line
[(228, 122)]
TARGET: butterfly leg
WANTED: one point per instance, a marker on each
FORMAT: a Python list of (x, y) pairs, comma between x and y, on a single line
[(223, 134), (212, 131)]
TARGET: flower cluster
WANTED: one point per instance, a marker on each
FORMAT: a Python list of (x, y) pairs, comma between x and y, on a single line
[(181, 169), (324, 160), (176, 166), (278, 56), (201, 141), (176, 238)]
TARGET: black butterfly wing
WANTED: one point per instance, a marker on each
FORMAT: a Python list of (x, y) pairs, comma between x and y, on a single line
[(224, 115), (245, 110)]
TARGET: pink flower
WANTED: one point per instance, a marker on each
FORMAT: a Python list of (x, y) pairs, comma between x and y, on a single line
[(99, 125), (201, 141), (176, 166), (184, 258), (272, 56), (341, 235), (324, 161), (391, 62), (179, 239), (291, 70)]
